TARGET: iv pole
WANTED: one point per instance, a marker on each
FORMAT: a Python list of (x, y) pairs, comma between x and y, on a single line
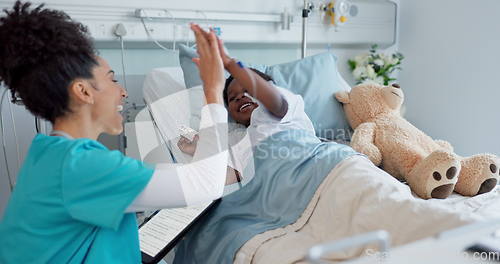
[(305, 14)]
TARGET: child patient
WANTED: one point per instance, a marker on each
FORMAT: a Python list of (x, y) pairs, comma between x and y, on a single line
[(255, 102)]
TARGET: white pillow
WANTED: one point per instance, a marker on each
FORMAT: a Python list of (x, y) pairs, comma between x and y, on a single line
[(172, 106), (161, 82)]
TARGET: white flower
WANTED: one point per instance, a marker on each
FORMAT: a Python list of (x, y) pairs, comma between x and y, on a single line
[(370, 72), (366, 63), (359, 72), (368, 81), (379, 62), (391, 60), (378, 80), (361, 59)]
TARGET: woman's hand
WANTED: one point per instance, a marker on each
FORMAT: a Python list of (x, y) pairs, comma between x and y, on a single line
[(187, 146), (210, 64)]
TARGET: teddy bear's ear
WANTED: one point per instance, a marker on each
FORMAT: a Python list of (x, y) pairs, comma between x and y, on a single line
[(343, 97)]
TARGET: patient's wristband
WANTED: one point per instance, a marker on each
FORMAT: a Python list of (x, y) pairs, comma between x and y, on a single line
[(235, 64)]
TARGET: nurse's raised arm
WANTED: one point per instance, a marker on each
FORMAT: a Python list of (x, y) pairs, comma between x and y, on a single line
[(202, 180)]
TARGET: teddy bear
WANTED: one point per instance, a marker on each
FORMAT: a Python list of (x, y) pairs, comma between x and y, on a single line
[(430, 167)]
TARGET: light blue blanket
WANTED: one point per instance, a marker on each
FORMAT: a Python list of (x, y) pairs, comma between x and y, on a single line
[(289, 167)]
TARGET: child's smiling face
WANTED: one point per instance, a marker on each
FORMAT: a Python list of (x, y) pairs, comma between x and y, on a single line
[(240, 105)]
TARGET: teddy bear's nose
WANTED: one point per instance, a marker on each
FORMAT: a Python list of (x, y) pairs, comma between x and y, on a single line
[(395, 85)]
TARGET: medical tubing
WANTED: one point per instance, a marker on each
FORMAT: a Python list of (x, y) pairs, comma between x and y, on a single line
[(11, 185), (305, 15), (124, 74), (15, 136), (153, 39), (37, 128), (162, 136), (174, 31), (122, 48), (174, 40)]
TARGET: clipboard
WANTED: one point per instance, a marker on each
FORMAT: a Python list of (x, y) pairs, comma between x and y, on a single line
[(165, 228)]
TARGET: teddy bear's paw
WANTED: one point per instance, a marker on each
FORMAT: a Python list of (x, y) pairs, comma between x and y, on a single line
[(435, 176), (480, 174)]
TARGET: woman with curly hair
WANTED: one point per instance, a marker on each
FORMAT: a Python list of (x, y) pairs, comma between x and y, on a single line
[(75, 200)]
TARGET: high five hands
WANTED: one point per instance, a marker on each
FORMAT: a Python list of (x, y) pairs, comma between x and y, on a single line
[(210, 64)]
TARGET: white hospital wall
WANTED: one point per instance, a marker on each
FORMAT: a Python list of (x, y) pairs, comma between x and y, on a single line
[(451, 70), (136, 65)]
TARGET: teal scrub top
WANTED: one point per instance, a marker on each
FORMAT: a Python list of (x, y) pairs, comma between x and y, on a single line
[(69, 205)]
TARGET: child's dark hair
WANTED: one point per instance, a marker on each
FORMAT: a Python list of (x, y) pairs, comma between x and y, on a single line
[(41, 52), (230, 79)]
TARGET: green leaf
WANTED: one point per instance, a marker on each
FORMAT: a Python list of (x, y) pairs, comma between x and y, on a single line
[(352, 64), (385, 69)]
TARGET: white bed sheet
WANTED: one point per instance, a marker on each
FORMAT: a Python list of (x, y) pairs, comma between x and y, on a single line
[(356, 198)]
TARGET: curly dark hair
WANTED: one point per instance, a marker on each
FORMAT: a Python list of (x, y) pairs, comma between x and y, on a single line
[(231, 78), (42, 51)]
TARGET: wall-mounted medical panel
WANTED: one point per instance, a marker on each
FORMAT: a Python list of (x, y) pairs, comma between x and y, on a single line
[(248, 22)]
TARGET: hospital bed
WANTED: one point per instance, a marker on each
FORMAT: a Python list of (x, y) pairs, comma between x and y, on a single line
[(380, 201)]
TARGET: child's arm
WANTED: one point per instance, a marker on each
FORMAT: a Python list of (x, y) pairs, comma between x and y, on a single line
[(255, 85), (232, 176), (189, 147)]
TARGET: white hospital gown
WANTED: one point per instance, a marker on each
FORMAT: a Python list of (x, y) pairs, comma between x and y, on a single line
[(262, 125)]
